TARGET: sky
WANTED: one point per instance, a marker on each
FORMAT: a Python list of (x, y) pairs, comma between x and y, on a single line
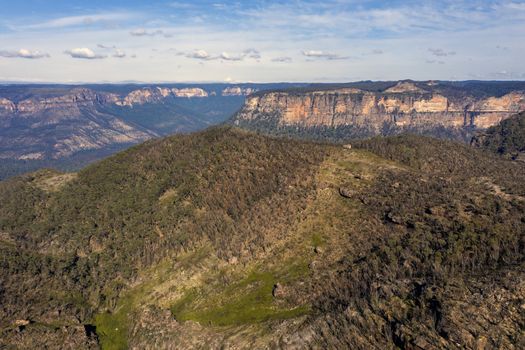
[(261, 41)]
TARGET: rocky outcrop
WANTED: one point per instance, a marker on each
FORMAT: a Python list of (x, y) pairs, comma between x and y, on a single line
[(6, 107), (142, 96), (404, 86), (237, 91), (401, 107), (189, 92), (67, 106), (154, 95)]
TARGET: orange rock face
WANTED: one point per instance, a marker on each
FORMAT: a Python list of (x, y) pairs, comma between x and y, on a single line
[(403, 105)]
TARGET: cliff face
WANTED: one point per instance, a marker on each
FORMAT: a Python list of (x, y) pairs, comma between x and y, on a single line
[(55, 127), (237, 91), (189, 92), (402, 107)]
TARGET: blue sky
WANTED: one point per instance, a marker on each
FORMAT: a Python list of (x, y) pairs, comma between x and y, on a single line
[(261, 41)]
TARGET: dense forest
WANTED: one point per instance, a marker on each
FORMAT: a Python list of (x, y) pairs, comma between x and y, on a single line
[(228, 238)]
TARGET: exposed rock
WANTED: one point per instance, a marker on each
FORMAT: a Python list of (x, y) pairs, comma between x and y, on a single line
[(404, 106), (142, 96), (82, 125), (346, 192), (404, 86), (278, 291), (6, 107), (190, 92), (22, 322), (165, 92), (237, 91)]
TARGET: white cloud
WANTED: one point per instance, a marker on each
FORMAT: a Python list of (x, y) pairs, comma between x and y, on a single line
[(227, 57), (102, 46), (252, 53), (71, 21), (323, 54), (181, 5), (144, 32), (84, 52), (119, 53), (200, 55), (441, 52), (282, 59), (24, 53)]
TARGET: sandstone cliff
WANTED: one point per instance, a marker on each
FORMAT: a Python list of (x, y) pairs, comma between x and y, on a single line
[(189, 92), (237, 91), (403, 107), (142, 96), (55, 127), (154, 95)]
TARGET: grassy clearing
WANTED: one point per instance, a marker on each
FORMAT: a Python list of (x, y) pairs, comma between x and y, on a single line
[(246, 301), (112, 327), (51, 181)]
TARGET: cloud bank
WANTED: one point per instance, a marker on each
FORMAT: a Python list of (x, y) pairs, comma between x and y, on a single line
[(24, 53), (84, 53)]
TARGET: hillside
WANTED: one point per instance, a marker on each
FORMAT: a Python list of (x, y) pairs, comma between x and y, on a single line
[(228, 239), (451, 110), (506, 138)]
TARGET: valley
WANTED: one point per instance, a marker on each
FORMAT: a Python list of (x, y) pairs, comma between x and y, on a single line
[(68, 127)]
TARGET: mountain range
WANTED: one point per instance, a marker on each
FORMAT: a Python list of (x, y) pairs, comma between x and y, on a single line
[(234, 238)]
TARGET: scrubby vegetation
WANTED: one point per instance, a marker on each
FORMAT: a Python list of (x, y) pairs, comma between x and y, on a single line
[(115, 218), (440, 227), (256, 241)]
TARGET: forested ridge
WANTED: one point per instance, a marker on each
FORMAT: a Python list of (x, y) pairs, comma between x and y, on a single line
[(226, 237)]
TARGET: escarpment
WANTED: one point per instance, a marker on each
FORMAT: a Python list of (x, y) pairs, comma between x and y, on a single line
[(59, 126), (403, 107)]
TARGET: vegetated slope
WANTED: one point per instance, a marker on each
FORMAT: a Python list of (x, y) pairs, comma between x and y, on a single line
[(506, 138), (230, 239)]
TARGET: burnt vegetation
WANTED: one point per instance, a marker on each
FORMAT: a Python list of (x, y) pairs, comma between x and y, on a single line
[(437, 260), (436, 238)]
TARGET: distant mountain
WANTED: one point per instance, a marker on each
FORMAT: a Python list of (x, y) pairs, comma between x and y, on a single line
[(229, 239), (69, 126), (39, 128), (507, 138), (358, 110)]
